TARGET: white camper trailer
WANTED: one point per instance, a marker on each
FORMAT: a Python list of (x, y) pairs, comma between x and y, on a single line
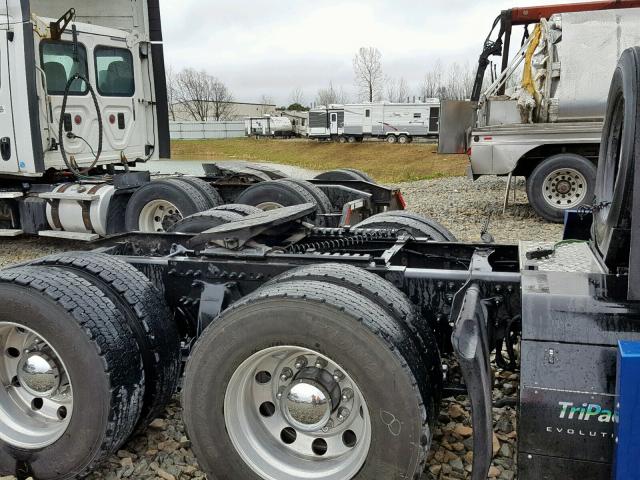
[(268, 127), (394, 122), (326, 122)]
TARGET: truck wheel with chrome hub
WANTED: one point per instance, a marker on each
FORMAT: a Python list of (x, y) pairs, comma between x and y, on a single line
[(562, 182), (160, 204), (305, 379), (38, 403), (72, 381)]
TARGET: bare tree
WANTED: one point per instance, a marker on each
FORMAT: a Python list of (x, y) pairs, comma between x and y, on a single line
[(459, 82), (397, 91), (455, 84), (266, 102), (222, 100), (367, 65), (203, 96), (297, 96), (172, 92), (331, 95), (432, 83)]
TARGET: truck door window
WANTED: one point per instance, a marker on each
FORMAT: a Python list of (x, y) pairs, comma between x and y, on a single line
[(58, 63), (114, 71)]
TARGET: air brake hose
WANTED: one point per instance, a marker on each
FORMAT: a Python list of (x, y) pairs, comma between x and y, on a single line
[(73, 168)]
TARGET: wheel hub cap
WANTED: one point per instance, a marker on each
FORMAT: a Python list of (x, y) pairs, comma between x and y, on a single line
[(36, 398), (293, 413), (38, 374), (308, 405), (564, 188)]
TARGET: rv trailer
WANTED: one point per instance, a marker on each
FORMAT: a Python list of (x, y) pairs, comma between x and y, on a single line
[(326, 122), (269, 126), (393, 122)]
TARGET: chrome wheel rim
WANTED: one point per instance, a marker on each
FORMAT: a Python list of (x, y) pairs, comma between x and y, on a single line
[(158, 216), (36, 402), (267, 206), (564, 188), (292, 413)]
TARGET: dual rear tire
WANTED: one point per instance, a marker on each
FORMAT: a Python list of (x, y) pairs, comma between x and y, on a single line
[(91, 355), (344, 335)]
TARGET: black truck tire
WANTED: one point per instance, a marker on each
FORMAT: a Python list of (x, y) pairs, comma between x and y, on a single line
[(561, 182), (202, 221), (284, 193), (619, 153), (333, 323), (430, 223), (416, 225), (244, 210), (147, 209), (394, 301), (147, 314), (344, 174), (93, 343), (323, 202), (210, 193)]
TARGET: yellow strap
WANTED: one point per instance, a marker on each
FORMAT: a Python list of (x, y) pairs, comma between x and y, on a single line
[(527, 78)]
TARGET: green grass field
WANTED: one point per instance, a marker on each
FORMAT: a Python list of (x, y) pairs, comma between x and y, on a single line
[(386, 163)]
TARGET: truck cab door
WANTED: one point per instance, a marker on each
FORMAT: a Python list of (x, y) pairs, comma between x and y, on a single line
[(119, 85), (8, 153)]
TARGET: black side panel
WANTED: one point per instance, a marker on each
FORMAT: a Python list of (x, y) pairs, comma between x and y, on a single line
[(538, 467), (160, 80), (32, 92), (318, 120)]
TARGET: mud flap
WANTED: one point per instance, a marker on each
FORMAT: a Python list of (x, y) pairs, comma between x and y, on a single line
[(471, 345)]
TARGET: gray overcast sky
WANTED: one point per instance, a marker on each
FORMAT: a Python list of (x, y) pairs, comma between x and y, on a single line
[(271, 47)]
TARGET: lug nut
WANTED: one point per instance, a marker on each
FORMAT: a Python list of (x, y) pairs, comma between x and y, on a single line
[(343, 414), (280, 393), (338, 376), (347, 394), (320, 363), (328, 426), (286, 374), (301, 362)]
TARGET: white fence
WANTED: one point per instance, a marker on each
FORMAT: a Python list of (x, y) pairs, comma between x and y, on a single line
[(206, 130)]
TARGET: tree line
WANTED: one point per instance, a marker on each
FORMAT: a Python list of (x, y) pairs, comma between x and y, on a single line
[(202, 96)]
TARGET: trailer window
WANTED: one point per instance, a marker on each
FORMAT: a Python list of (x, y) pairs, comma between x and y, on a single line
[(59, 66), (367, 113), (114, 70), (417, 115)]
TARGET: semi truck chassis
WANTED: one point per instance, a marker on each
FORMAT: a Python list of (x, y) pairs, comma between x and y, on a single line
[(316, 352)]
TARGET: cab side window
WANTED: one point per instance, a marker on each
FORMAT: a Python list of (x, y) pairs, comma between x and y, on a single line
[(59, 66), (114, 71)]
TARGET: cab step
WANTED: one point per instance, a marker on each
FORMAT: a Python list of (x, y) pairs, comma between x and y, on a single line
[(8, 232), (82, 237), (10, 195), (81, 197)]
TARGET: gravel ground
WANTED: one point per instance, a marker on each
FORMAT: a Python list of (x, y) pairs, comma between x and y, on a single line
[(463, 206), (163, 451)]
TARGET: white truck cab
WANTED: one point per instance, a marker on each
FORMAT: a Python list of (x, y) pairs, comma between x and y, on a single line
[(39, 59)]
